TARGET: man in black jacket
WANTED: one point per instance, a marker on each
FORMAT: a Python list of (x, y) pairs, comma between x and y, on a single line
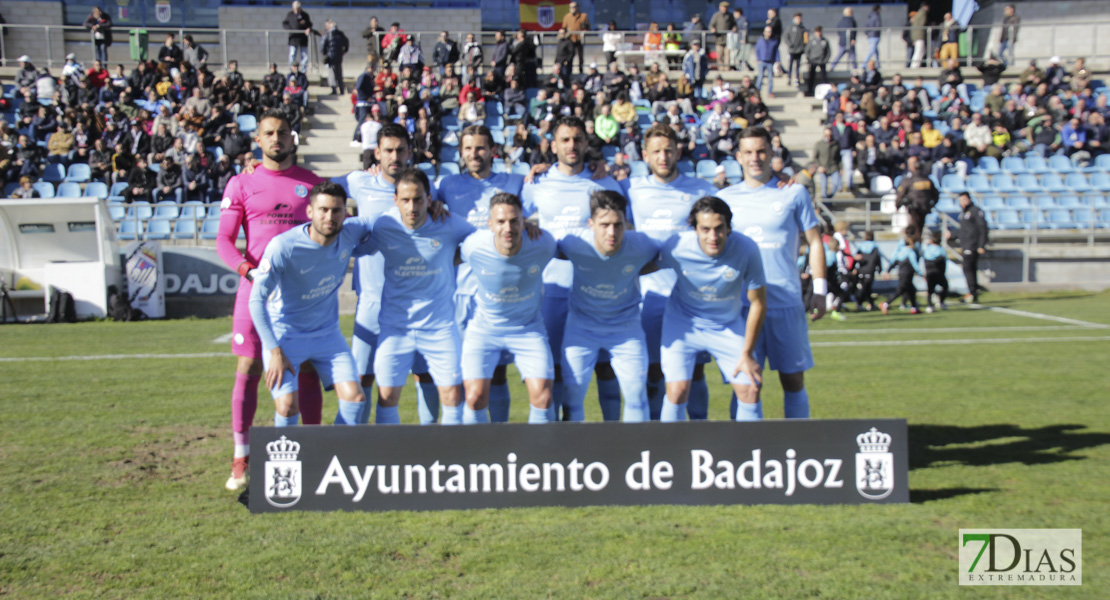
[(445, 53), (336, 45), (919, 195), (973, 243), (299, 24)]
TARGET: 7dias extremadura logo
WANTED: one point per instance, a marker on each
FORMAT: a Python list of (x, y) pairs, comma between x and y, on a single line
[(1021, 557)]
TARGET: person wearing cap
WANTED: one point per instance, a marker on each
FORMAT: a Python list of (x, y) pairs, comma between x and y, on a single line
[(72, 71), (410, 56), (404, 120), (575, 22), (1055, 75), (27, 75), (594, 81), (100, 25), (695, 66), (720, 179), (722, 23)]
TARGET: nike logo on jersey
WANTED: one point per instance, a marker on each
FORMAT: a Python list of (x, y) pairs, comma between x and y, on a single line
[(392, 247), (303, 271)]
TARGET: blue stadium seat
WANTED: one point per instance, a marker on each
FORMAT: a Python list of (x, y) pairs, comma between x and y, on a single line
[(993, 203), (1060, 164), (521, 168), (498, 136), (706, 169), (54, 172), (988, 165), (1032, 217), (608, 152), (1003, 184), (116, 192), (140, 209), (733, 171), (1018, 202), (428, 169), (952, 183), (449, 168), (1043, 202), (193, 210), (639, 168), (1077, 182), (1096, 201), (130, 229), (10, 187), (97, 189), (214, 211), (166, 209), (79, 172), (495, 108), (947, 205), (1101, 181), (156, 167), (1053, 183), (158, 229), (68, 189), (1035, 163), (247, 123), (210, 228), (1104, 218), (449, 154), (450, 122), (1068, 202), (1027, 182), (1084, 218), (1013, 165), (184, 229), (117, 211), (1059, 218), (495, 122), (1102, 161), (498, 166), (978, 183), (1006, 219), (644, 120), (686, 167), (44, 188)]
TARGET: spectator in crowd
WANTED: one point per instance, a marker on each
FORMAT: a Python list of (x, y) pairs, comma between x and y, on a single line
[(170, 54), (472, 58), (141, 181), (796, 37), (26, 189), (918, 31), (334, 49), (949, 39), (738, 46), (575, 22), (446, 52), (817, 55), (695, 66), (169, 182), (775, 23), (196, 180), (473, 111), (611, 41), (722, 23), (373, 34), (873, 29), (368, 132), (826, 153), (653, 39), (299, 24), (193, 53), (847, 27), (27, 75), (765, 56), (99, 23), (410, 56), (1009, 34), (919, 195)]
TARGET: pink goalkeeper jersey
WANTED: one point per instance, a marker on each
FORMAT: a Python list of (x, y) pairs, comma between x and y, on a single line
[(264, 203)]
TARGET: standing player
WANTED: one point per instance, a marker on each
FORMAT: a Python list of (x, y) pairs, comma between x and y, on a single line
[(507, 269), (468, 195), (561, 197), (774, 217), (716, 267), (604, 309), (418, 310), (661, 202), (374, 196), (268, 201), (295, 304)]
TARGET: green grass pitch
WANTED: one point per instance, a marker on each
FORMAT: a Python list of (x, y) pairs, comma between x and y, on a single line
[(112, 472)]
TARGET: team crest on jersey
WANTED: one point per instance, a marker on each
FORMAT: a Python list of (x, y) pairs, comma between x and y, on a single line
[(283, 473), (225, 203), (532, 270), (628, 269), (264, 266), (777, 208), (729, 274), (343, 255), (435, 243), (874, 465), (301, 191)]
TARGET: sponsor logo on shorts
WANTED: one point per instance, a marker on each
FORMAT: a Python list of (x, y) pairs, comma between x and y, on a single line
[(225, 203)]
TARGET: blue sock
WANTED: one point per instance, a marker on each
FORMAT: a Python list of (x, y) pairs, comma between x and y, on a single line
[(427, 402), (673, 412), (474, 417), (280, 421), (609, 397), (558, 397), (366, 407), (452, 415), (349, 412), (795, 405), (539, 415), (749, 412), (697, 405), (732, 407), (499, 403), (655, 392), (387, 415)]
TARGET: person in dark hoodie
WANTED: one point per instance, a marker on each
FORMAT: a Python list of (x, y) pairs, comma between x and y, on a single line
[(847, 27), (299, 24)]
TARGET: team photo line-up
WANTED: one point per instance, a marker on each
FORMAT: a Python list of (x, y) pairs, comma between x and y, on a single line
[(566, 275)]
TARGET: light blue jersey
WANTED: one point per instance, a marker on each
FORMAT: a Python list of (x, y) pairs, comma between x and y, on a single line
[(774, 219), (709, 289), (509, 288), (374, 196), (295, 292), (562, 203), (660, 209), (606, 289), (932, 252)]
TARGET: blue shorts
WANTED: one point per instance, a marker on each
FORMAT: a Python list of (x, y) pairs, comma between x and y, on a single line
[(483, 351), (583, 346), (364, 343), (328, 353), (784, 341), (682, 342), (554, 309), (466, 305), (397, 355)]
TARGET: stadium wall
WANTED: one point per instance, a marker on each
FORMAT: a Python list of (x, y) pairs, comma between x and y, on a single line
[(31, 41)]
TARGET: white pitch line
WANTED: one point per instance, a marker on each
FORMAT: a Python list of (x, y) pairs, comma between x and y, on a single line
[(915, 330), (223, 339), (113, 357), (1031, 340), (1033, 315)]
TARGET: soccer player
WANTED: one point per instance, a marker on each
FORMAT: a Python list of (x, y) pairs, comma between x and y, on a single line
[(295, 304), (661, 202), (507, 268), (715, 267), (418, 310), (265, 202), (604, 308), (468, 195), (561, 199), (774, 217), (374, 195)]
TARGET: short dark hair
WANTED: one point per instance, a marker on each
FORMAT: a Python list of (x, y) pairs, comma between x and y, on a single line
[(607, 200), (755, 131), (274, 113), (478, 130), (414, 175), (395, 131), (709, 204), (508, 199), (818, 29), (962, 194), (869, 235), (329, 188), (568, 121)]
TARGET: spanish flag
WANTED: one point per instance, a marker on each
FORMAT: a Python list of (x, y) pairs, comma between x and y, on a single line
[(542, 15)]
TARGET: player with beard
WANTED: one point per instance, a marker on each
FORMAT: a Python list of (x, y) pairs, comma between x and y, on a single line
[(270, 200)]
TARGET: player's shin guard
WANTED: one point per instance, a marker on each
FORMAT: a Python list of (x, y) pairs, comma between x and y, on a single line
[(387, 415), (366, 407), (795, 405), (452, 415), (673, 412), (310, 398), (609, 397), (749, 412), (656, 390), (499, 403), (427, 402), (474, 417), (244, 403), (349, 413), (697, 405), (539, 415), (290, 421)]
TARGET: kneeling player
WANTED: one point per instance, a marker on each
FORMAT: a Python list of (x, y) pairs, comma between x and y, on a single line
[(295, 304), (714, 266), (604, 309), (508, 266)]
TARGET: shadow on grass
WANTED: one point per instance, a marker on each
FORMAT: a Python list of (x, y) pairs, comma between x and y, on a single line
[(984, 445), (922, 496)]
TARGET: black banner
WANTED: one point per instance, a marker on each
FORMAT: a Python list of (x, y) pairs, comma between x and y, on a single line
[(411, 467)]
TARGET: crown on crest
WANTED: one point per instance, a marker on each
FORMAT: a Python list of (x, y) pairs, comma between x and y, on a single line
[(284, 449), (873, 441)]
